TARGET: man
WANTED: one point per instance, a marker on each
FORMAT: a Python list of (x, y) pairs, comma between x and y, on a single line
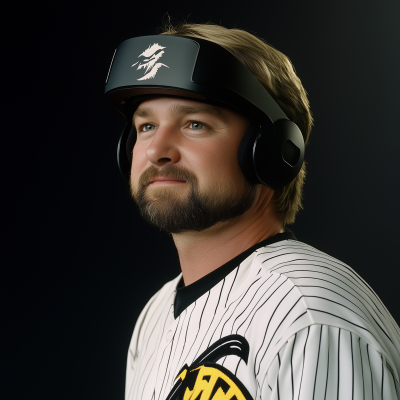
[(255, 313)]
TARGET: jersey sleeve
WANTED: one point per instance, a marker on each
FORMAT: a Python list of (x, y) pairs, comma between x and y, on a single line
[(322, 362)]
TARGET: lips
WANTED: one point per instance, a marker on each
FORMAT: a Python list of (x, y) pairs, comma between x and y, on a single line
[(165, 179)]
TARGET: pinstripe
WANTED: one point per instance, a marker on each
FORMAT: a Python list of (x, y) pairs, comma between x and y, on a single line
[(352, 367), (338, 365), (219, 298), (202, 311), (316, 369), (362, 368), (291, 365), (395, 383), (301, 315), (382, 378), (277, 377), (372, 380), (233, 282), (237, 367), (304, 357), (169, 359), (327, 373)]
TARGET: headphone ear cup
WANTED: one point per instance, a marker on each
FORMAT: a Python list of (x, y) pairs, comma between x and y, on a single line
[(130, 143), (246, 154), (124, 150), (278, 158)]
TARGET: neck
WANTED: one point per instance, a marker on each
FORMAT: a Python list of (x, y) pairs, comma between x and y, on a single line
[(202, 252)]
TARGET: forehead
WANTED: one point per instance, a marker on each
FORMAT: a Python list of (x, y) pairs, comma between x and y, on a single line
[(177, 107)]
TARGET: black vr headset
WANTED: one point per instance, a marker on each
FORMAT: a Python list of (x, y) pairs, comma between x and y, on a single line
[(271, 151)]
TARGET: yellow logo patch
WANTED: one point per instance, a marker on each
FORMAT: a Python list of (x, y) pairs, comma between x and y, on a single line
[(212, 384), (206, 380)]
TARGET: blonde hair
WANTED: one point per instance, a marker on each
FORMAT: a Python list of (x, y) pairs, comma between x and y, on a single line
[(276, 73)]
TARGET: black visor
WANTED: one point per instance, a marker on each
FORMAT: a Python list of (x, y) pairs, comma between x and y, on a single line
[(186, 67)]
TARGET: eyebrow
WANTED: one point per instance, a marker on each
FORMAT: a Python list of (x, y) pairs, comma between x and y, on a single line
[(179, 110)]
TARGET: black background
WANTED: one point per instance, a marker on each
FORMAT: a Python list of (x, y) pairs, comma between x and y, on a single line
[(80, 264)]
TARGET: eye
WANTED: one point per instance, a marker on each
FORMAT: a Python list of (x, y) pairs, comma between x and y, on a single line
[(147, 127), (196, 125)]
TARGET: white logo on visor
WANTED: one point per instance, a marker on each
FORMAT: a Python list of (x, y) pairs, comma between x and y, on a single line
[(149, 63)]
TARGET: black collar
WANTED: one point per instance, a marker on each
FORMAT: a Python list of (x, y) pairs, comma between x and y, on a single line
[(186, 295)]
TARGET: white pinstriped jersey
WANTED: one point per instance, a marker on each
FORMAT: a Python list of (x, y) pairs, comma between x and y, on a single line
[(289, 322)]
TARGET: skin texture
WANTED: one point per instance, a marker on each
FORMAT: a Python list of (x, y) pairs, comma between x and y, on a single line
[(184, 144)]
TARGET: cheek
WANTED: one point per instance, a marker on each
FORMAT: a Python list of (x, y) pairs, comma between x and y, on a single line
[(139, 161), (215, 161)]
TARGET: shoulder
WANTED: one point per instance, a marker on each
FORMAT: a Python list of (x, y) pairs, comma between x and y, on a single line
[(328, 287), (279, 256), (301, 286)]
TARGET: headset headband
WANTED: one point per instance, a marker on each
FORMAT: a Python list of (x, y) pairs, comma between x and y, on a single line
[(186, 67)]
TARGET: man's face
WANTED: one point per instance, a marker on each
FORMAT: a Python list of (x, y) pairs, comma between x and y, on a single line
[(185, 173)]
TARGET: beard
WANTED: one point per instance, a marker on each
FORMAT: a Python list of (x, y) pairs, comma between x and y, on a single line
[(174, 210)]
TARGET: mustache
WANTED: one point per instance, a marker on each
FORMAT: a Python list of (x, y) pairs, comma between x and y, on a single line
[(170, 171)]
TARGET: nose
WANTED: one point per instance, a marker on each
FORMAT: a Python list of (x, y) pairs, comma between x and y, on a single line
[(163, 149)]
